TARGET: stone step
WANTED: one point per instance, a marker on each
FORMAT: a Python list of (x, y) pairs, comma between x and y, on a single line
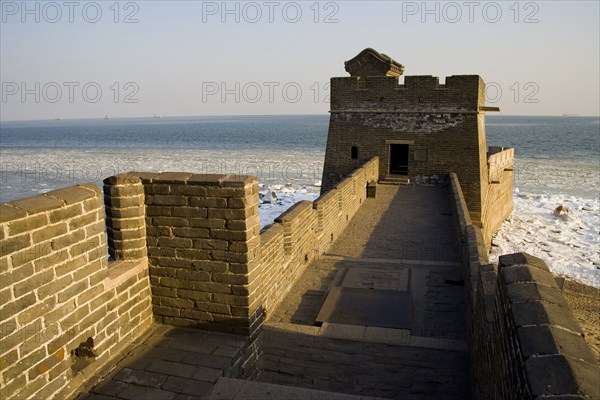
[(395, 180), (238, 389)]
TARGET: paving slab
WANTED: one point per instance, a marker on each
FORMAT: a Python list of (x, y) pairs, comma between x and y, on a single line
[(235, 389), (168, 363), (366, 307)]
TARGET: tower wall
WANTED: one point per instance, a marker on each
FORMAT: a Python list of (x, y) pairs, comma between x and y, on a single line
[(442, 125)]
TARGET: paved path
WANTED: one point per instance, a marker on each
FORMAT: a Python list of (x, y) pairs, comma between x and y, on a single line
[(401, 241), (169, 364)]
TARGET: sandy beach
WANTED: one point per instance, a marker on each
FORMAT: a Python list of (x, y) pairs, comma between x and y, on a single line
[(585, 302)]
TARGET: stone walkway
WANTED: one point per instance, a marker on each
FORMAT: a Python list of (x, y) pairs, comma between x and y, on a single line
[(390, 249), (170, 364)]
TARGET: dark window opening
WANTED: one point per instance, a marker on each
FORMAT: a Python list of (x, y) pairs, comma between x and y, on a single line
[(354, 152)]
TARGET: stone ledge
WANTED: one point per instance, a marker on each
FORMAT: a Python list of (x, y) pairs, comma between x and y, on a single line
[(120, 271)]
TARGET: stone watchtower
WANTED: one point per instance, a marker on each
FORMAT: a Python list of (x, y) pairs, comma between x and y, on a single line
[(421, 130)]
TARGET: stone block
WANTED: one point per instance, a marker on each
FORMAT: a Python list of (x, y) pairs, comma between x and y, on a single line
[(33, 282), (216, 223), (191, 232), (37, 204), (525, 273), (509, 260), (14, 244), (48, 232), (517, 292), (27, 224), (547, 340), (560, 375), (10, 213), (541, 313), (129, 178), (73, 194)]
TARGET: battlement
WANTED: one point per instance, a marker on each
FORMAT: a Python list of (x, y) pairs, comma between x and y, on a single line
[(418, 93)]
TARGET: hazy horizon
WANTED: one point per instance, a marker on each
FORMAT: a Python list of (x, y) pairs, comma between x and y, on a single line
[(88, 60)]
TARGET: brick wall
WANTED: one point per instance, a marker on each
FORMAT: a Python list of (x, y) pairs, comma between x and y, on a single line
[(202, 241), (525, 342), (307, 230), (498, 201), (57, 289)]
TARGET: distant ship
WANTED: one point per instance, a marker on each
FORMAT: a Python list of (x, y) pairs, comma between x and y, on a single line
[(156, 116), (106, 116), (570, 115), (58, 119)]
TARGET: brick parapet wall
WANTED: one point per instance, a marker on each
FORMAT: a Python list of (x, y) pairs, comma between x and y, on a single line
[(307, 230), (524, 340), (57, 290), (202, 235), (461, 92), (498, 200)]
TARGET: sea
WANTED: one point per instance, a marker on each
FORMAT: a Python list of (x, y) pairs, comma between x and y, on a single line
[(557, 163)]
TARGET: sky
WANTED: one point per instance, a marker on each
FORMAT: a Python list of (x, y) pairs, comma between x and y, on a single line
[(81, 59)]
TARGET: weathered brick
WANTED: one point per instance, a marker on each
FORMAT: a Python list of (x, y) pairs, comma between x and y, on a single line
[(175, 283), (90, 294), (14, 244), (211, 244), (124, 202), (49, 232), (175, 242), (16, 274), (68, 240), (230, 278), (207, 223), (230, 300), (9, 213), (193, 254), (134, 189), (189, 212), (59, 312), (82, 221), (85, 246), (27, 224), (231, 235), (231, 257), (196, 314), (210, 266), (33, 282), (176, 302), (158, 211), (52, 259), (168, 311), (212, 287), (190, 232), (166, 200), (24, 364), (193, 295), (209, 202), (65, 213), (130, 223), (230, 213), (14, 307), (72, 291), (37, 204), (170, 221), (31, 253)]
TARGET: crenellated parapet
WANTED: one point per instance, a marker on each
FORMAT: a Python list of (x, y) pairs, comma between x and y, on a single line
[(418, 94)]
